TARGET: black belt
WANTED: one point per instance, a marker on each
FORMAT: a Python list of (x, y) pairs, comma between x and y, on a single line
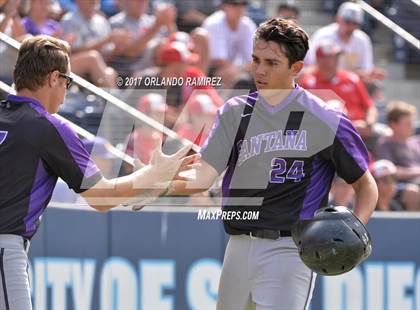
[(269, 234)]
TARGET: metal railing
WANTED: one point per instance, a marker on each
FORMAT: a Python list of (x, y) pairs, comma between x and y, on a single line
[(390, 24), (79, 130), (114, 101)]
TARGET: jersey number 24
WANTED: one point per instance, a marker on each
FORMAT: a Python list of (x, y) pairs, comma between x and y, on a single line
[(279, 172)]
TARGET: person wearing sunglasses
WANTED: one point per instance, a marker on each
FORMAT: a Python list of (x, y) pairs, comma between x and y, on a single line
[(36, 148), (69, 80)]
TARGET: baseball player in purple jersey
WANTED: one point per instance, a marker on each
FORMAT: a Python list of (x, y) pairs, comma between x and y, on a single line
[(279, 149), (36, 148)]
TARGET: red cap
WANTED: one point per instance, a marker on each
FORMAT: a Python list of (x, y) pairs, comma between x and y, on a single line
[(177, 52), (327, 48), (201, 104), (151, 103)]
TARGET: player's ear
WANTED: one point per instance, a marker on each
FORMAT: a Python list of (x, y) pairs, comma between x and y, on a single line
[(53, 79), (297, 67)]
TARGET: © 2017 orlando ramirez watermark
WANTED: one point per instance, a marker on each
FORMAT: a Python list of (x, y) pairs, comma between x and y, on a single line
[(156, 81)]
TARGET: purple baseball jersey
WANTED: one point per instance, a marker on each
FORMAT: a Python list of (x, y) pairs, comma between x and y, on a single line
[(35, 150)]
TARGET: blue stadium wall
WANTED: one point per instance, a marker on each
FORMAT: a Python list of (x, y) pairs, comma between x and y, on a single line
[(170, 260)]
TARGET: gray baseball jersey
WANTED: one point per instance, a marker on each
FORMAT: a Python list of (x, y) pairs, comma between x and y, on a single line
[(286, 160), (281, 164)]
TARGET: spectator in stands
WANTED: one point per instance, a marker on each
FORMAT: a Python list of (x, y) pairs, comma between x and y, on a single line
[(142, 28), (288, 10), (38, 20), (141, 141), (68, 5), (88, 63), (93, 35), (347, 85), (11, 25), (192, 13), (197, 42), (177, 61), (356, 45), (201, 115), (385, 174), (403, 149), (110, 7), (230, 38)]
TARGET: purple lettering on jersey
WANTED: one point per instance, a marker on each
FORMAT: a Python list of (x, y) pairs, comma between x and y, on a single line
[(295, 141), (295, 172), (278, 142), (243, 151), (290, 140), (268, 137), (301, 142), (255, 145), (3, 135), (278, 168)]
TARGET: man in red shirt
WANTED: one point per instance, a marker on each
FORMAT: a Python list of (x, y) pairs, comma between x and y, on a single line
[(345, 87)]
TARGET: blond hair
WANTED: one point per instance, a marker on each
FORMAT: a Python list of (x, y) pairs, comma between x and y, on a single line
[(38, 56), (398, 109)]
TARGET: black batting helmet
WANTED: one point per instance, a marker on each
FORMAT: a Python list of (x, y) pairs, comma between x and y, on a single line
[(333, 242)]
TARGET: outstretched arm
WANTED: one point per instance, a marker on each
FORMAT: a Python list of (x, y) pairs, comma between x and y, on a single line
[(107, 194), (204, 179)]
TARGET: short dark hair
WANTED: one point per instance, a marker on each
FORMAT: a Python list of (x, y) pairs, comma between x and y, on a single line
[(288, 6), (37, 57), (292, 39)]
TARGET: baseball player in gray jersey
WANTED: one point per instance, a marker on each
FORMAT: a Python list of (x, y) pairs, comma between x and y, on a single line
[(279, 149)]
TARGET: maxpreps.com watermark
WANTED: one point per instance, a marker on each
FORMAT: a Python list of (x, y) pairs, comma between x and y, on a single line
[(204, 215)]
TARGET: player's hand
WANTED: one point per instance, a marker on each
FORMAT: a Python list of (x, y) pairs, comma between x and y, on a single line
[(167, 167)]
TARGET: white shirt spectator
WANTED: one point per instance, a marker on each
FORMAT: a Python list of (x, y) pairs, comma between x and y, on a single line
[(227, 44), (137, 26), (358, 54), (85, 30)]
